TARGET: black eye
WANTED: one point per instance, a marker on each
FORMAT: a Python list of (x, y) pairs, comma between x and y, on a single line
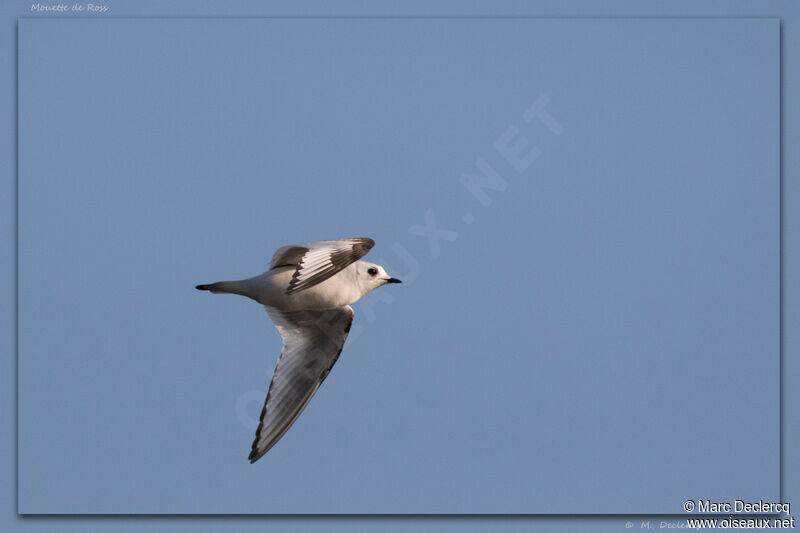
[(372, 271)]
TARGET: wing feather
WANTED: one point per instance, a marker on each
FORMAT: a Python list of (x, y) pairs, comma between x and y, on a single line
[(315, 262), (312, 342)]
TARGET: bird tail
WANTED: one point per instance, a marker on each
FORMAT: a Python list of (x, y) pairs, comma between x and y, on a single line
[(218, 287), (243, 287)]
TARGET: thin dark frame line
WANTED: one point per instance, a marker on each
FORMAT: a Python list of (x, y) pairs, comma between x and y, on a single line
[(343, 516), (781, 127), (394, 17), (16, 264), (781, 351)]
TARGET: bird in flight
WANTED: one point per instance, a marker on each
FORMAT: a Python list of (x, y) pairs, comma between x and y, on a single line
[(307, 293)]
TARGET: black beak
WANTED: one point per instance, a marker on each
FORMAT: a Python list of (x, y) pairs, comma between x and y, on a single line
[(393, 280)]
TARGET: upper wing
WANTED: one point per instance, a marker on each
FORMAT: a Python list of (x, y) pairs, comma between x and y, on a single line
[(317, 261), (312, 342)]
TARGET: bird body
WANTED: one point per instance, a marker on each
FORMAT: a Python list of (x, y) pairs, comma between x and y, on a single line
[(269, 289), (307, 293)]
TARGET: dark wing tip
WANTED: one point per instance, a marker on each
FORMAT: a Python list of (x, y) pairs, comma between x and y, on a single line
[(201, 287), (364, 245), (254, 456)]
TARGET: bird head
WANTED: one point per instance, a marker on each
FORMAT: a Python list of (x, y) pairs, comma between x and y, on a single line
[(371, 276)]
